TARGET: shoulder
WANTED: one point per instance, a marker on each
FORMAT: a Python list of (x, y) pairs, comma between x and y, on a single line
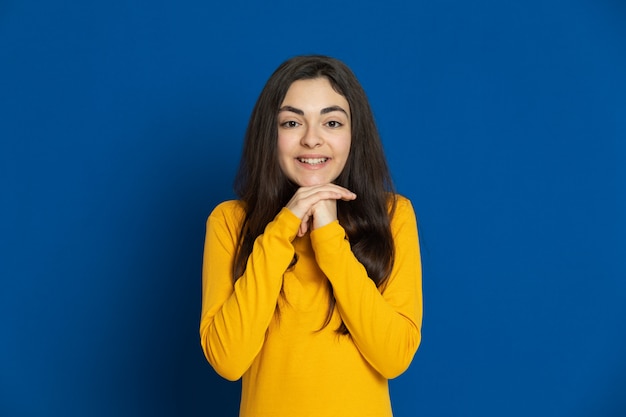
[(230, 206), (401, 210), (231, 212), (399, 204)]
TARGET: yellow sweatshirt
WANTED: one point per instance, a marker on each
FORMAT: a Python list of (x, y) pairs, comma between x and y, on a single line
[(289, 368)]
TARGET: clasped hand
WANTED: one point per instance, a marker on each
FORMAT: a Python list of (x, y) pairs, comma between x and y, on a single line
[(316, 205)]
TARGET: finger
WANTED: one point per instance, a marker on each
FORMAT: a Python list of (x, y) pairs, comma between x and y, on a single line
[(349, 197), (311, 199), (307, 197), (304, 225), (344, 192)]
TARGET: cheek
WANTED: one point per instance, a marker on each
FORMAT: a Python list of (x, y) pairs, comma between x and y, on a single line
[(283, 153), (282, 147), (346, 144)]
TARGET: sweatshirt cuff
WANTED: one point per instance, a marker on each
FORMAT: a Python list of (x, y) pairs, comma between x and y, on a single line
[(287, 223), (328, 238)]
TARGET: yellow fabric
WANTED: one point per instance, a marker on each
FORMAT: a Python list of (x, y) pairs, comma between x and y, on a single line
[(289, 368)]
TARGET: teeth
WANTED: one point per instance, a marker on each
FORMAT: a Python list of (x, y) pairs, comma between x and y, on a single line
[(313, 161)]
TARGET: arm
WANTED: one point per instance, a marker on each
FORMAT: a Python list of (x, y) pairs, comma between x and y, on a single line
[(386, 328), (235, 317)]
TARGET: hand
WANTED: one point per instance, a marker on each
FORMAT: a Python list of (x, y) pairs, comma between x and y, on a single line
[(317, 205)]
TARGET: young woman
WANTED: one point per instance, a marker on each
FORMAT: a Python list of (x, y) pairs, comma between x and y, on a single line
[(312, 279)]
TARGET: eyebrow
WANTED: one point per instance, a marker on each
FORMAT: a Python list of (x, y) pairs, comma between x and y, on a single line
[(325, 110)]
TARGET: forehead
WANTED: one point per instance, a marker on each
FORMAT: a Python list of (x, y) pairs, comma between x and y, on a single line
[(314, 92)]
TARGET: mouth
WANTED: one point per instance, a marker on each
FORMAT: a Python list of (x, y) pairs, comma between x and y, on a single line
[(313, 161)]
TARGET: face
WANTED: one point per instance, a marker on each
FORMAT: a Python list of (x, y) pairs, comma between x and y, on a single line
[(313, 132)]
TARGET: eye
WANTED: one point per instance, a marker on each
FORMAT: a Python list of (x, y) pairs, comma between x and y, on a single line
[(333, 124), (289, 124)]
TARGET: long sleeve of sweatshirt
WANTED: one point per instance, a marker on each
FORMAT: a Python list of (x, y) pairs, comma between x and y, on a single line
[(235, 318), (386, 327)]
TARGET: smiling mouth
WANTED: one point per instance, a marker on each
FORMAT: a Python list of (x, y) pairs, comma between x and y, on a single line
[(313, 161)]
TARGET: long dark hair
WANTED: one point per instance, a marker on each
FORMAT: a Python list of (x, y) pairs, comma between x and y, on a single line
[(264, 189)]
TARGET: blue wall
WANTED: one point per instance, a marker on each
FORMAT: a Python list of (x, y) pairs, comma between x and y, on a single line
[(120, 129)]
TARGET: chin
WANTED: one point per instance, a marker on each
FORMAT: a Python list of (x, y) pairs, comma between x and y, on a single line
[(312, 179), (310, 182)]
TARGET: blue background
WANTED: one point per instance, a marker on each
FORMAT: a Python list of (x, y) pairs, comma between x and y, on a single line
[(121, 126)]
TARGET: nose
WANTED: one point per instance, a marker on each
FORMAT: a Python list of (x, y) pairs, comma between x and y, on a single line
[(311, 138)]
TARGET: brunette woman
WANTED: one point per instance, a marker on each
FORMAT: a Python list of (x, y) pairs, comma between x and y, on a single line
[(312, 278)]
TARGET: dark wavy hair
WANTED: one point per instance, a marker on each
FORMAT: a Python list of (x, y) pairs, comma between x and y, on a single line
[(264, 189)]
